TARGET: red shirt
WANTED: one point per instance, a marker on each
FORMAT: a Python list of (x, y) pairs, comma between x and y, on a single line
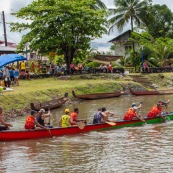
[(154, 111)]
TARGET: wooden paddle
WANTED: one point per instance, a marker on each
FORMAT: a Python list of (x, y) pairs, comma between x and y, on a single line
[(50, 133), (49, 117), (81, 125), (110, 123)]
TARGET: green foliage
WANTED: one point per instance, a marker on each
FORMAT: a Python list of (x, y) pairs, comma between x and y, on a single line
[(93, 64), (159, 21), (67, 26)]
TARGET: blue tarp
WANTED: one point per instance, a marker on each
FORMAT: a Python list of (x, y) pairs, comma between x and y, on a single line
[(10, 58)]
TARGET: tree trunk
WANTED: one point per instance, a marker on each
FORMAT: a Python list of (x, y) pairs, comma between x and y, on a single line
[(133, 43)]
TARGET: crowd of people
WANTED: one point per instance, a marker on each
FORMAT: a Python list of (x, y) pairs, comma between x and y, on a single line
[(38, 119)]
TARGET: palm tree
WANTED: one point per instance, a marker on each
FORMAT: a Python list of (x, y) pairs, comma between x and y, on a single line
[(127, 10), (99, 5)]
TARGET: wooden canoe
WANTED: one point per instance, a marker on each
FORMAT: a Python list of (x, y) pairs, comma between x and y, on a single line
[(10, 135), (52, 104), (97, 95), (140, 93), (163, 92)]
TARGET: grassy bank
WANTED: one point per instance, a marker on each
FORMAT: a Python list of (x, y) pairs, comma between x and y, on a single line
[(39, 90)]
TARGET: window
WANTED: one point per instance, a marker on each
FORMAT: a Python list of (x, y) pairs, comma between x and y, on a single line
[(128, 47)]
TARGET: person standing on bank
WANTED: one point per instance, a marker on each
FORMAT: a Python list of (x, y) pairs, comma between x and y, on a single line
[(5, 125)]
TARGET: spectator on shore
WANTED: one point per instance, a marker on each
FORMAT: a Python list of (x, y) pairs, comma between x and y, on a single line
[(27, 73), (1, 78), (32, 67), (105, 68), (38, 67), (11, 71), (16, 76), (145, 66), (52, 67), (109, 69), (72, 69), (6, 76), (13, 66), (64, 67), (23, 67)]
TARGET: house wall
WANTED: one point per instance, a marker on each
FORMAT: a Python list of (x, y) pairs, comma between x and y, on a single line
[(122, 49)]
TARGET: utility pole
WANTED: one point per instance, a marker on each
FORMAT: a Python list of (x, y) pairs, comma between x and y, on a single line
[(5, 35)]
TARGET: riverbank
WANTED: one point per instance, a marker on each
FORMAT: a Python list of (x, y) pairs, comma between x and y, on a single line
[(39, 90)]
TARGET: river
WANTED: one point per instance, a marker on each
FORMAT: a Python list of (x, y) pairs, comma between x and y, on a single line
[(144, 149)]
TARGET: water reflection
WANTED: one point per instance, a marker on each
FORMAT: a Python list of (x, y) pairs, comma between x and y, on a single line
[(135, 149)]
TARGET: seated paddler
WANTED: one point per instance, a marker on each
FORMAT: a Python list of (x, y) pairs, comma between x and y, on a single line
[(4, 125), (132, 113), (65, 120), (156, 110), (101, 116), (41, 117), (31, 121), (74, 117)]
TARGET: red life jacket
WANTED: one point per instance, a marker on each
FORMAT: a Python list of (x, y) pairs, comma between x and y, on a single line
[(73, 116), (154, 111), (130, 114), (30, 122)]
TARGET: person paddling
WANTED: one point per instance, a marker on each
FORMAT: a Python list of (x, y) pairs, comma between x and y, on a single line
[(101, 116), (74, 117), (31, 121), (65, 120), (156, 110), (42, 116), (132, 113), (5, 125)]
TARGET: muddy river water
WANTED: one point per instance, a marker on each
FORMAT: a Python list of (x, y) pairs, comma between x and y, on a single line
[(144, 149)]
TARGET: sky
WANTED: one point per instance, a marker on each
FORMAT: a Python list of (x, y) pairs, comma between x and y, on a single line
[(9, 6)]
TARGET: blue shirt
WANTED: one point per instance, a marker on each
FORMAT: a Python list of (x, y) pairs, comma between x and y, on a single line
[(11, 72), (16, 73)]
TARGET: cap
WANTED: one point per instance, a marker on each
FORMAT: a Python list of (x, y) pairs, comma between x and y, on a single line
[(67, 111), (134, 107), (41, 110), (33, 112), (134, 104)]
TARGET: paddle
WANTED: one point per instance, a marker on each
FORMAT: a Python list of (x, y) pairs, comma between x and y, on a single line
[(49, 117), (50, 133), (110, 123), (81, 125)]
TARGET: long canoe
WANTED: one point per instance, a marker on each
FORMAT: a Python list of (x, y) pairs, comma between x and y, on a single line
[(163, 92), (10, 135), (139, 93), (52, 104), (97, 95)]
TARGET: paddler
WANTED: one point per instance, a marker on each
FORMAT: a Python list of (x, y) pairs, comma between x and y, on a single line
[(101, 116), (74, 117), (65, 120), (156, 110), (133, 113), (31, 122), (5, 125), (42, 116)]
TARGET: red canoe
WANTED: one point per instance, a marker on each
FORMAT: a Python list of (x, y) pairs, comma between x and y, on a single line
[(10, 135)]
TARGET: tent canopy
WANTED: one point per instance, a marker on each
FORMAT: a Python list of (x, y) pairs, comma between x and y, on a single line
[(10, 58)]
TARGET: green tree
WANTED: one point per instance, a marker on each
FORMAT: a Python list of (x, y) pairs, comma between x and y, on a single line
[(65, 26), (159, 22), (128, 10)]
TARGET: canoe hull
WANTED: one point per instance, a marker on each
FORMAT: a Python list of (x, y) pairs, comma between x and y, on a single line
[(42, 133), (97, 95), (140, 93)]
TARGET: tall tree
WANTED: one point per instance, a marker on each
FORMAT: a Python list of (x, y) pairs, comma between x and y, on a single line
[(159, 22), (66, 26), (125, 11)]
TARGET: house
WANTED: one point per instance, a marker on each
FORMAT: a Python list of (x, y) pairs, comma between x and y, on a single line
[(123, 44)]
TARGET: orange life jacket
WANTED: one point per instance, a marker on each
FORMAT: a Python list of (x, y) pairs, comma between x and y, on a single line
[(130, 114), (154, 111), (30, 122), (73, 116)]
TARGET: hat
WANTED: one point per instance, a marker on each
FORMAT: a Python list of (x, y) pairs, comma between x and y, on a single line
[(33, 112), (134, 107), (134, 104), (41, 110), (67, 111)]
